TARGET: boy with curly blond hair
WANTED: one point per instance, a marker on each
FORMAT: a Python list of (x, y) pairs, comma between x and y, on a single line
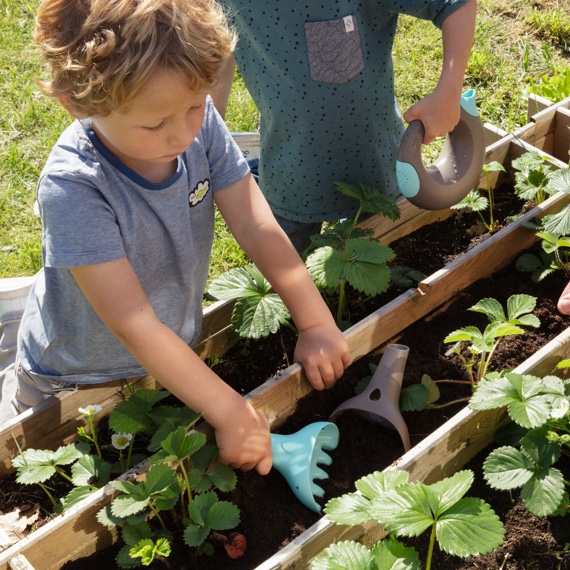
[(127, 207)]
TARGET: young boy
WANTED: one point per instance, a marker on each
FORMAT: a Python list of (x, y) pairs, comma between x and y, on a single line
[(127, 206)]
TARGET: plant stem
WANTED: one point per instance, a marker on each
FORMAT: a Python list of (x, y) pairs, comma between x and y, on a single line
[(61, 472), (157, 514), (430, 548), (130, 452), (439, 406), (94, 436), (453, 382), (341, 302)]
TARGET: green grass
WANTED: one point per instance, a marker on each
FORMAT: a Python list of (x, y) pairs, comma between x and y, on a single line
[(515, 40)]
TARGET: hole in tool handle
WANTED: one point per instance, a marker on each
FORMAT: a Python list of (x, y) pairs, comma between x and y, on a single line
[(457, 169)]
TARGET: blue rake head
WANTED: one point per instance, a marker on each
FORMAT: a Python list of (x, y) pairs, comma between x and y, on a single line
[(297, 456)]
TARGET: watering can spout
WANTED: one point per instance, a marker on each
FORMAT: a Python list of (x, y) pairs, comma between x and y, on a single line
[(298, 455), (379, 401)]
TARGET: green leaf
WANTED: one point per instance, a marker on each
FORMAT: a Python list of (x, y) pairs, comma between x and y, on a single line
[(238, 283), (466, 333), (559, 180), (448, 491), (124, 559), (365, 266), (344, 555), (147, 550), (132, 415), (544, 492), (200, 505), (179, 445), (223, 515), (77, 494), (431, 387), (474, 201), (414, 398), (494, 166), (490, 307), (518, 305), (325, 266), (507, 468), (91, 469), (159, 478), (391, 554), (349, 509), (558, 223), (371, 199), (195, 535), (378, 483), (134, 533), (258, 316), (404, 511), (469, 528)]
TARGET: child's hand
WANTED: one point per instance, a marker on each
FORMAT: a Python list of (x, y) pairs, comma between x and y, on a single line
[(244, 440), (324, 353), (564, 301), (439, 113)]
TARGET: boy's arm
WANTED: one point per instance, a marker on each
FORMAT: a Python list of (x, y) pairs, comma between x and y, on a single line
[(439, 111), (321, 347), (221, 94), (114, 292)]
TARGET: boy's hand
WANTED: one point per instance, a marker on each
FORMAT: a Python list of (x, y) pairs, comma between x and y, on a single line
[(324, 353), (244, 440), (439, 113), (564, 301)]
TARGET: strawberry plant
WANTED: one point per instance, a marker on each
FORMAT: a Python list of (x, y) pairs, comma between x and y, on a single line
[(461, 526), (345, 254), (476, 201), (540, 408)]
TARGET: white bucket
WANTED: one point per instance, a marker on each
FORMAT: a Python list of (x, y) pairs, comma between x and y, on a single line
[(14, 293)]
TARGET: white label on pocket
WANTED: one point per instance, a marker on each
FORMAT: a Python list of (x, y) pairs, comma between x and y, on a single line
[(348, 24)]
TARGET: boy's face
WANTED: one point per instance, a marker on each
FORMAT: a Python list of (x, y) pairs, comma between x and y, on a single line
[(161, 123)]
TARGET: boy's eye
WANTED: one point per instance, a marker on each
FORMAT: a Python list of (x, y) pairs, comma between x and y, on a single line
[(157, 128)]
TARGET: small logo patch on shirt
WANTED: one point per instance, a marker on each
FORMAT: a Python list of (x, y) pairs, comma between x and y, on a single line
[(199, 193)]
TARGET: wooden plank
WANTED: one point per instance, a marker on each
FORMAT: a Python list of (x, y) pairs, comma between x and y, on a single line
[(439, 455), (561, 143), (535, 104), (278, 397), (55, 421)]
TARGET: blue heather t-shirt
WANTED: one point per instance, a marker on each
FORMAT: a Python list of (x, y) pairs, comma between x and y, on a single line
[(322, 78), (94, 209)]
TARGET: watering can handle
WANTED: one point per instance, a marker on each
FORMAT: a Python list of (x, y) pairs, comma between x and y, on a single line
[(457, 170)]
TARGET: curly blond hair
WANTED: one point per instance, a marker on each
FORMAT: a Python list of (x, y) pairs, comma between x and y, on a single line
[(102, 52)]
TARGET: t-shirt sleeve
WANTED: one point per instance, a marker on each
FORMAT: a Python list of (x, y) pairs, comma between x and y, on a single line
[(435, 10), (79, 226), (225, 159)]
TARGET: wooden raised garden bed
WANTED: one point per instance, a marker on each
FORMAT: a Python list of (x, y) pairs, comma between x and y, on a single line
[(77, 533)]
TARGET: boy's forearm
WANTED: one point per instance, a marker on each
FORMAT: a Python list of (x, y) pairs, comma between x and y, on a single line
[(179, 369), (458, 31), (221, 94)]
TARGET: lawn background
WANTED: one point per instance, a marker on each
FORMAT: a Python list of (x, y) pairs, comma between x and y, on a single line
[(516, 41)]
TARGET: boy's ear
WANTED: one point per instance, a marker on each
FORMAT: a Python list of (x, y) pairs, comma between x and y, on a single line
[(65, 101)]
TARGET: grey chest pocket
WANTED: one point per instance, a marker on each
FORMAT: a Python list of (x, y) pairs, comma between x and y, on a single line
[(334, 51)]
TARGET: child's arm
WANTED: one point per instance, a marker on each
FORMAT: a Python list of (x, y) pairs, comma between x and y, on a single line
[(321, 347), (221, 94), (114, 292), (439, 111)]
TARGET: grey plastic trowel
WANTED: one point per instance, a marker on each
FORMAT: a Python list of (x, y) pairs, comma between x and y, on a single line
[(379, 401), (456, 171), (297, 456)]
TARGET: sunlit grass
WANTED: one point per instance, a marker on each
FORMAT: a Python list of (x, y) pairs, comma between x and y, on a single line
[(515, 40)]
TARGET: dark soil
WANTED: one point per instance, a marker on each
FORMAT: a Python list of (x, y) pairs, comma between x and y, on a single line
[(271, 516)]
